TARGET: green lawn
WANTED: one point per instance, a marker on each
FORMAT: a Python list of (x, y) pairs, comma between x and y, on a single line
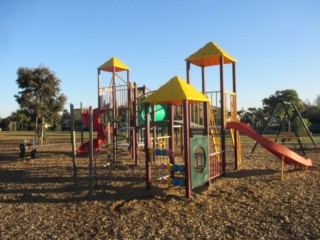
[(49, 136), (65, 136)]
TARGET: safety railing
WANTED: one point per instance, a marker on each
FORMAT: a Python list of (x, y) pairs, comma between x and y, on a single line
[(215, 165)]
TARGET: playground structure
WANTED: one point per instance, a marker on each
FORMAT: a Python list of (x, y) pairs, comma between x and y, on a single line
[(121, 109), (98, 127), (185, 95), (129, 117), (122, 104), (115, 100), (288, 130), (204, 117)]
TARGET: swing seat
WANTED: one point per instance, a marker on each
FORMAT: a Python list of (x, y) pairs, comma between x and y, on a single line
[(287, 137)]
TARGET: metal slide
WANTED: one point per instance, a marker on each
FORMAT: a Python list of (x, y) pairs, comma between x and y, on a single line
[(276, 149)]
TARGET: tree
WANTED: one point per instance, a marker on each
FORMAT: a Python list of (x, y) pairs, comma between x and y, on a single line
[(19, 120), (40, 96), (5, 123), (23, 120), (312, 111), (253, 116), (287, 95), (317, 101)]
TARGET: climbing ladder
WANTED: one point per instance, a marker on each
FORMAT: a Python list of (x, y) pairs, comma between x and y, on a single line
[(215, 133), (233, 132), (216, 138)]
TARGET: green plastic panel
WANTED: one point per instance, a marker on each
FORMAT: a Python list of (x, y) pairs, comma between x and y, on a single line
[(199, 161)]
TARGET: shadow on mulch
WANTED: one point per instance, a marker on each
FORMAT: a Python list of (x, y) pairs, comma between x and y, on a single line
[(9, 158), (15, 156), (45, 189), (7, 175), (53, 153), (81, 194)]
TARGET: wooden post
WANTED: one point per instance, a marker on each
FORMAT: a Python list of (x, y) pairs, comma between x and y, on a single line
[(81, 128), (205, 104), (205, 113), (207, 132), (171, 131), (154, 128), (90, 151), (129, 116), (147, 147), (223, 121), (73, 142), (236, 133), (135, 123), (186, 130), (282, 168), (114, 116)]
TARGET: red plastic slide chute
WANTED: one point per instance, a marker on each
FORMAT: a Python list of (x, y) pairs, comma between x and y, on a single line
[(97, 127), (276, 149)]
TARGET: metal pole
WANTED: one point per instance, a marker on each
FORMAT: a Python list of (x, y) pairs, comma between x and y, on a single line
[(188, 72), (304, 125), (266, 126), (291, 121), (203, 80)]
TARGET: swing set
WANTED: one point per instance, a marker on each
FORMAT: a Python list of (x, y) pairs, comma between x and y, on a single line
[(289, 127)]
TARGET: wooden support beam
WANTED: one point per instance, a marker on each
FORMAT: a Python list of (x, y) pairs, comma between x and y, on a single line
[(282, 168)]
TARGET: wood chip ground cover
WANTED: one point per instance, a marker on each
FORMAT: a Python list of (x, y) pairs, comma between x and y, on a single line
[(38, 200)]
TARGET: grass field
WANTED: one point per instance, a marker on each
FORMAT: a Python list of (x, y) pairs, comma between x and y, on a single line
[(49, 136), (65, 136)]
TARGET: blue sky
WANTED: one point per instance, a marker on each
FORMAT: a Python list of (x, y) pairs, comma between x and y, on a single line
[(275, 42)]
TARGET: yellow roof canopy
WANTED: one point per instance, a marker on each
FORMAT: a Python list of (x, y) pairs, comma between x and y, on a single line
[(113, 64), (175, 91), (209, 55)]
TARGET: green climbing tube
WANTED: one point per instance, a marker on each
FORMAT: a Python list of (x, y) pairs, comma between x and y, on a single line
[(160, 113)]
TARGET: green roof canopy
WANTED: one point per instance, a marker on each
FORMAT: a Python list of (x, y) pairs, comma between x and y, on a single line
[(175, 91)]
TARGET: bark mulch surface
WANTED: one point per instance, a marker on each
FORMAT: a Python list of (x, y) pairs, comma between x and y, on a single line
[(38, 200)]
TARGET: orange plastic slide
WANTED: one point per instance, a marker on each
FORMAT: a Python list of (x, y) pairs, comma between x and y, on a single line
[(276, 149)]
